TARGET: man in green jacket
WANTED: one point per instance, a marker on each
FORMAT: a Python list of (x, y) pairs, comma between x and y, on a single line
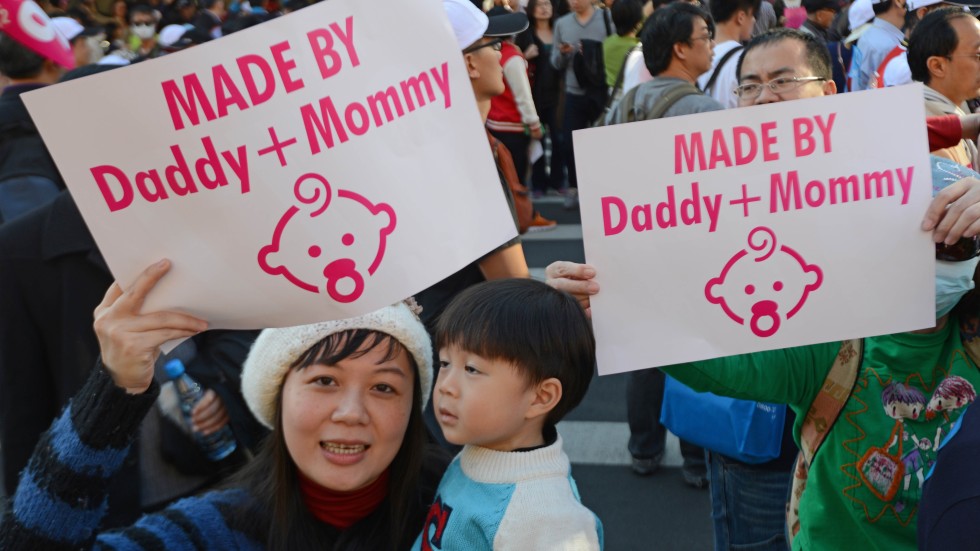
[(864, 484)]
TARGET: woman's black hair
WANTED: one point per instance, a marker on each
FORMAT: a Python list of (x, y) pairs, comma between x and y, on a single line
[(627, 16), (278, 512), (529, 10)]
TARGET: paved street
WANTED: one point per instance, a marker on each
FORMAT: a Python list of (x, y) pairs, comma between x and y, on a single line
[(658, 512)]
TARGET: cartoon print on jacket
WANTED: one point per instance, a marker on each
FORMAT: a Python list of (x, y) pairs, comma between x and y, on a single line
[(771, 284), (953, 393), (335, 260), (893, 470)]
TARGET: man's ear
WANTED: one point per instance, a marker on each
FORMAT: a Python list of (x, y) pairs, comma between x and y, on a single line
[(740, 17), (937, 66), (51, 72), (679, 52), (829, 87), (547, 394), (471, 69)]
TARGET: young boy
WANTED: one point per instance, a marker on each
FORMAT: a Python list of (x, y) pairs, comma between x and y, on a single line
[(515, 356)]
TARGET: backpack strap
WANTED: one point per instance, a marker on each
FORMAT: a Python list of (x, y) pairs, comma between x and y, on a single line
[(605, 20), (618, 87), (828, 404), (519, 196), (669, 98), (970, 337), (714, 75), (628, 105), (823, 412)]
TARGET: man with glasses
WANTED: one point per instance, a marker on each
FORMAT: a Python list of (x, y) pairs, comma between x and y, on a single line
[(944, 54), (787, 65), (839, 509), (677, 49)]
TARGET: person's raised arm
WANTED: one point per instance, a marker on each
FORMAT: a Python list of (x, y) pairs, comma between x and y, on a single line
[(88, 444), (130, 340), (505, 262)]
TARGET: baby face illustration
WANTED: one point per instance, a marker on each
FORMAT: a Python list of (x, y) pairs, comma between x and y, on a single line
[(331, 242), (765, 284)]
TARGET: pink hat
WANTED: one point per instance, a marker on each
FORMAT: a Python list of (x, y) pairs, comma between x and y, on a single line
[(26, 23)]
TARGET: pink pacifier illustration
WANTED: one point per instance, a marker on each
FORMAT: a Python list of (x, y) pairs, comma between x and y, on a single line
[(335, 256), (766, 283)]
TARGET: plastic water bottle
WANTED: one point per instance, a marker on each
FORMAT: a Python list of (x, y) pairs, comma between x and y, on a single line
[(216, 446)]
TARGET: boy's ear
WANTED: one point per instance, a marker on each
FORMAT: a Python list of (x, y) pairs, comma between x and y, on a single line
[(547, 394)]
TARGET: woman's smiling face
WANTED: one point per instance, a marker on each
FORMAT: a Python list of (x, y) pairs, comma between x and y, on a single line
[(344, 423)]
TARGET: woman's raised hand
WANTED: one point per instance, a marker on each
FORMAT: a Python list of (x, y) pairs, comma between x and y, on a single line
[(129, 339)]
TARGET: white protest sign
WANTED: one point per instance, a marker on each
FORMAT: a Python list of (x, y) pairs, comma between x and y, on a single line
[(757, 228), (321, 165)]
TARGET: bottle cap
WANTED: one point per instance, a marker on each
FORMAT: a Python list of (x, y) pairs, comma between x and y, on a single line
[(174, 368)]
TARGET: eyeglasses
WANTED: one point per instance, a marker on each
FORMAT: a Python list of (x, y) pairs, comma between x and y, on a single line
[(496, 44), (975, 56), (777, 86), (708, 38), (964, 249)]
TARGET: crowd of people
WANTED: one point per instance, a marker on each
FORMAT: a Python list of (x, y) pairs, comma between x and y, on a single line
[(431, 423)]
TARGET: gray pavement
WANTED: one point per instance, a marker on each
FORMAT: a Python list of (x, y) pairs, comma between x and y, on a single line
[(656, 512)]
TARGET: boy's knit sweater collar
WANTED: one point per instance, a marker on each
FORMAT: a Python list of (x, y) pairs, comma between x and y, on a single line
[(495, 467)]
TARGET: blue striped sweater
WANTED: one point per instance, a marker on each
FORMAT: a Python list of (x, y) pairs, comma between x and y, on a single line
[(61, 498)]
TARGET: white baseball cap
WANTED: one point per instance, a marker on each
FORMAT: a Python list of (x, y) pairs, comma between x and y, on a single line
[(859, 13), (68, 27), (916, 4), (470, 24), (170, 34)]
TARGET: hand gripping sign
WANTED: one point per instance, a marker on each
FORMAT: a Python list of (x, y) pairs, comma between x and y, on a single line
[(26, 23), (320, 165)]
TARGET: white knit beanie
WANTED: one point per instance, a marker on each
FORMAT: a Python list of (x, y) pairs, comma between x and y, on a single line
[(276, 349)]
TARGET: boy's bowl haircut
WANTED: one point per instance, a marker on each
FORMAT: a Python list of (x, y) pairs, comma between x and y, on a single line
[(543, 332)]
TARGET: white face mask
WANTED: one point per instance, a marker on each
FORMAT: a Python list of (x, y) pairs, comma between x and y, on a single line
[(144, 32), (953, 280)]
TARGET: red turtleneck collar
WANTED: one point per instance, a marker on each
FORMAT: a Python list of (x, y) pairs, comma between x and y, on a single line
[(343, 509)]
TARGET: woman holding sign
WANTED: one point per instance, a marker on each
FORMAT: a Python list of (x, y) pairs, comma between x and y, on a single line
[(346, 466)]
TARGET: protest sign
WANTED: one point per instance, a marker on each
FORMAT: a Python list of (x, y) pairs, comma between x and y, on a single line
[(757, 228), (321, 165)]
